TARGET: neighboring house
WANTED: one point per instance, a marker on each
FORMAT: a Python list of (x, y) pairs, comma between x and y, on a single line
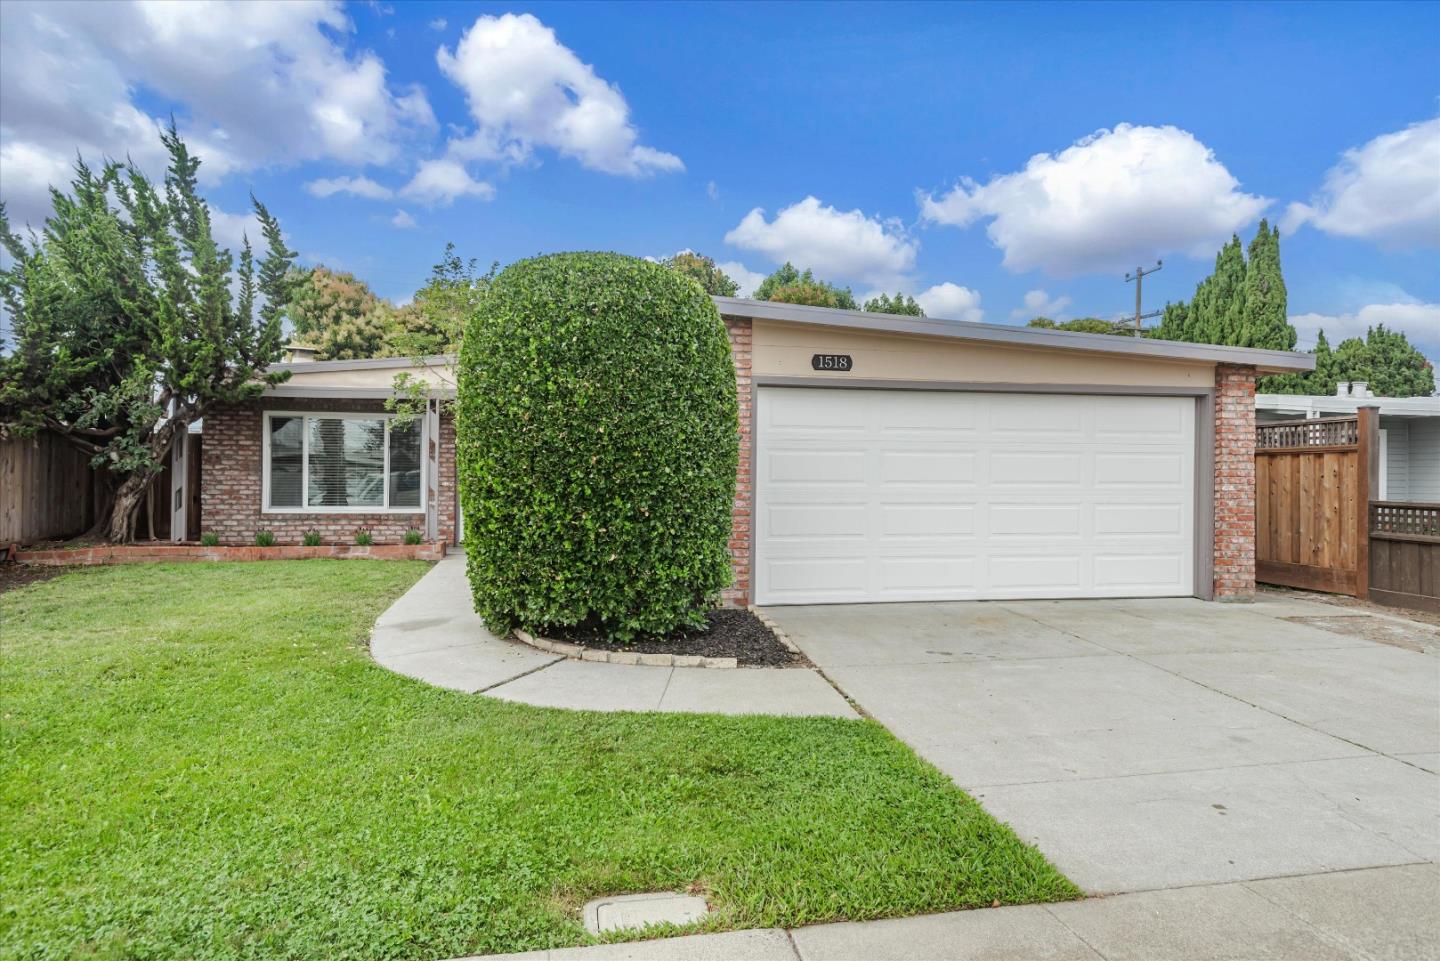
[(883, 458), (1409, 434)]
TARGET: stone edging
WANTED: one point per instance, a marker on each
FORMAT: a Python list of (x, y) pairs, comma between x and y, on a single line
[(182, 553), (580, 653), (780, 635)]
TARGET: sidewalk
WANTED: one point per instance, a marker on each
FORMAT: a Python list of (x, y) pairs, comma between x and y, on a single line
[(433, 634), (1376, 914)]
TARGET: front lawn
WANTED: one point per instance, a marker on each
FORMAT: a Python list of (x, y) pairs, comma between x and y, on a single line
[(201, 761)]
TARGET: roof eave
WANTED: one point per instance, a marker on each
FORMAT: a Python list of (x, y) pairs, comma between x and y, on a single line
[(1264, 361)]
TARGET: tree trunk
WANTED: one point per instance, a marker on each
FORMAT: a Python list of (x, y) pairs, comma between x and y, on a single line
[(126, 508)]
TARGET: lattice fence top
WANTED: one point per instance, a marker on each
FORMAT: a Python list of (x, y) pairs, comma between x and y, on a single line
[(1405, 517), (1315, 432)]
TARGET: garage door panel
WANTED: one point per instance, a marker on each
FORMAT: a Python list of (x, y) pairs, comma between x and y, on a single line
[(926, 519), (1034, 469), (1035, 520), (871, 495), (1122, 573), (1139, 520), (1128, 469), (816, 467), (927, 467)]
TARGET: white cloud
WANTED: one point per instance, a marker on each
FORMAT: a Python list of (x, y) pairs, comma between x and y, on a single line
[(1111, 200), (712, 190), (439, 23), (949, 301), (259, 83), (359, 186), (1037, 303), (1419, 322), (439, 183), (1387, 190), (230, 230), (747, 279), (838, 245), (525, 89), (403, 221)]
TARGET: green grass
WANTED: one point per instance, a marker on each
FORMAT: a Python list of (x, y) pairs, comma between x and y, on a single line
[(201, 761)]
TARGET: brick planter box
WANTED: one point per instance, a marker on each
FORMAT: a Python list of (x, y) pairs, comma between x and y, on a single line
[(185, 553)]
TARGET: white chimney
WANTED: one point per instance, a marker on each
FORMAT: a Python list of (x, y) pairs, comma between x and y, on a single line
[(1354, 388), (299, 353)]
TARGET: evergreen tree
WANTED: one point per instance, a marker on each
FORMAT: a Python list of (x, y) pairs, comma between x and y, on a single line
[(126, 329), (339, 315), (1265, 324), (1386, 360)]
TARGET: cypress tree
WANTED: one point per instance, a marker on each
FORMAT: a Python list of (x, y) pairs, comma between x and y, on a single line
[(1265, 324)]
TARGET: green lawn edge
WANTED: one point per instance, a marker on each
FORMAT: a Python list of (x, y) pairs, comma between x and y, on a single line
[(204, 762)]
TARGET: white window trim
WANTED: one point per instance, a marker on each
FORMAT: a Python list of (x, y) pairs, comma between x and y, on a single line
[(265, 506)]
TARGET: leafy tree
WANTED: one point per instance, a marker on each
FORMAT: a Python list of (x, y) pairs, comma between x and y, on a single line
[(433, 324), (899, 304), (126, 330), (704, 272), (339, 315), (597, 441), (1085, 325), (790, 286)]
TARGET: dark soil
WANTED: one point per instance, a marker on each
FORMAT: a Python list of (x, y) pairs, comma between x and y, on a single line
[(19, 575), (729, 632)]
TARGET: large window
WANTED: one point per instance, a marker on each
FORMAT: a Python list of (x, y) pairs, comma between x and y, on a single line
[(342, 462)]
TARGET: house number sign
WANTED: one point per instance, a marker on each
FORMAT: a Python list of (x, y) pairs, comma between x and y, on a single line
[(841, 362)]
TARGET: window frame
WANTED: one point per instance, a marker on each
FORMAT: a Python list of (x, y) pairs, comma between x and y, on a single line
[(306, 415)]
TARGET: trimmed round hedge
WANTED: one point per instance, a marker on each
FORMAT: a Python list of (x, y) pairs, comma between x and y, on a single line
[(597, 439)]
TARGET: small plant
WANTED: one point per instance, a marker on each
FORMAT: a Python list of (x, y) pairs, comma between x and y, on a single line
[(363, 537), (413, 536), (310, 538), (209, 539), (264, 538)]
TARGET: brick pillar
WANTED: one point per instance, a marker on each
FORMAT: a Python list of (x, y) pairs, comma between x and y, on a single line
[(1234, 483), (738, 593)]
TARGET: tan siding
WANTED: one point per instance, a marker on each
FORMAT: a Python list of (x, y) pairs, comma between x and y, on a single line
[(784, 349)]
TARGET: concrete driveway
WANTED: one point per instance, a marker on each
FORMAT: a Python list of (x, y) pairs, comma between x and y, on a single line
[(1146, 744)]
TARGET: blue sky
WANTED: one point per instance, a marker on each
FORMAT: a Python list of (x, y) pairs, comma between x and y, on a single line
[(995, 160)]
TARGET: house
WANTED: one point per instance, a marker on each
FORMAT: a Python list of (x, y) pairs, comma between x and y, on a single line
[(1409, 434), (883, 458)]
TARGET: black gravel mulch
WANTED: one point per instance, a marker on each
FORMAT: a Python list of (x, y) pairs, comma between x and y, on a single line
[(729, 632)]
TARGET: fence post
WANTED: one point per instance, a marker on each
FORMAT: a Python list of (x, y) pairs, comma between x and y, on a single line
[(1367, 476)]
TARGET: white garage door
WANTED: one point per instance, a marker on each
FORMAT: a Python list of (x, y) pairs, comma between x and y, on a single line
[(900, 495)]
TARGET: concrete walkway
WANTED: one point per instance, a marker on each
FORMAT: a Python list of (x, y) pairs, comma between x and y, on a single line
[(433, 634), (1382, 914)]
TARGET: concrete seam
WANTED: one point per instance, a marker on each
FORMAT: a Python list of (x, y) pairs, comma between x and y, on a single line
[(666, 690), (1321, 933), (794, 948), (517, 677), (1080, 937)]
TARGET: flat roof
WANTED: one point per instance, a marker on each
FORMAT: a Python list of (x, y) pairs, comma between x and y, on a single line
[(1268, 361), (1325, 404)]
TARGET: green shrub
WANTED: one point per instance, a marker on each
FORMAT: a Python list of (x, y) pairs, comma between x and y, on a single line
[(363, 537), (597, 440), (310, 538), (209, 539), (264, 538), (412, 536)]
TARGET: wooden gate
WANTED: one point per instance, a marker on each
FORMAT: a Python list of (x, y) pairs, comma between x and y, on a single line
[(1313, 480), (1405, 554)]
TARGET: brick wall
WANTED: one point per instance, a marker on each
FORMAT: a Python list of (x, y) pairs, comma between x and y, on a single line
[(740, 527), (231, 491), (1234, 482)]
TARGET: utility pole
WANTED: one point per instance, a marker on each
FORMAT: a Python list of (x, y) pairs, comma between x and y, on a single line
[(1139, 278)]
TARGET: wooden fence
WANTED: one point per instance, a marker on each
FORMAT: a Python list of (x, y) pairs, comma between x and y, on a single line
[(1316, 526), (47, 490), (1405, 554), (1312, 487)]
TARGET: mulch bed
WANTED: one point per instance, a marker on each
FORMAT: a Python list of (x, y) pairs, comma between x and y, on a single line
[(729, 632)]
